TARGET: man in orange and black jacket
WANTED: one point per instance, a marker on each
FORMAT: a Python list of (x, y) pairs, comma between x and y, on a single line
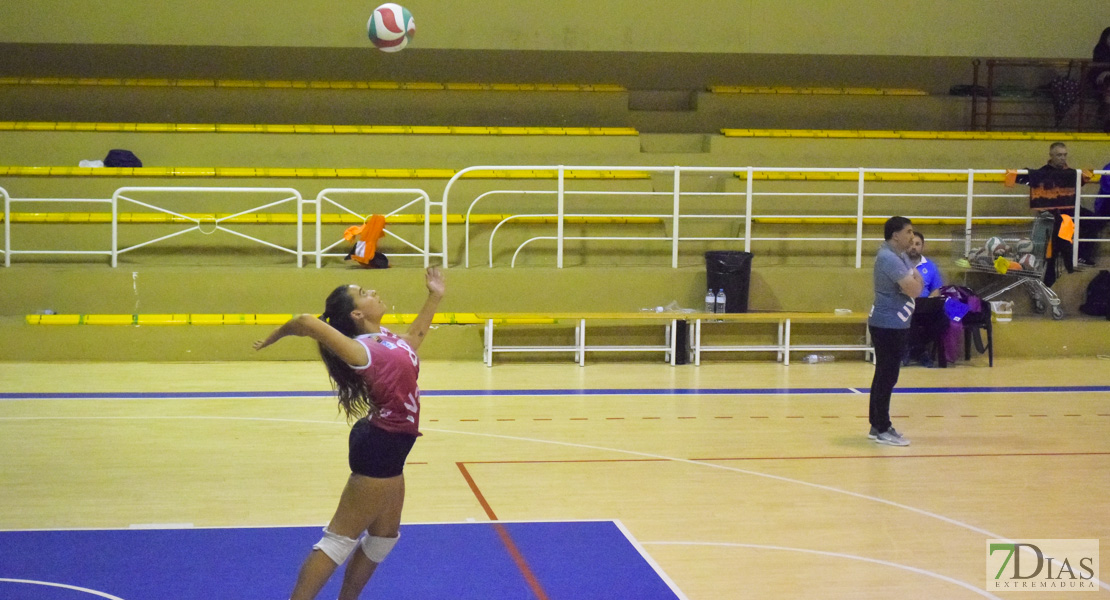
[(1052, 189)]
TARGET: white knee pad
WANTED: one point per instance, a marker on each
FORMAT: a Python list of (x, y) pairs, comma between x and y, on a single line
[(336, 546), (377, 548)]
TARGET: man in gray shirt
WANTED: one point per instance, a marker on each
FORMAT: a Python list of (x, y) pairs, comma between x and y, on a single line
[(897, 283)]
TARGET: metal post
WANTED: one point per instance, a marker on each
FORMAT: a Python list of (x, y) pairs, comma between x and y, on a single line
[(7, 231), (967, 221), (674, 217), (559, 225), (990, 94), (115, 227), (859, 227), (300, 231), (319, 225), (974, 94), (1076, 218), (748, 215), (443, 228), (427, 229)]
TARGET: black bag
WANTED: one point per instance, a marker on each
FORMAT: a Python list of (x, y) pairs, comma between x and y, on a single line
[(122, 158), (380, 261), (1098, 296)]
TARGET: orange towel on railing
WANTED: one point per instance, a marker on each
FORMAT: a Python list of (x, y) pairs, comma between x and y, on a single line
[(1010, 180), (1067, 228), (367, 235)]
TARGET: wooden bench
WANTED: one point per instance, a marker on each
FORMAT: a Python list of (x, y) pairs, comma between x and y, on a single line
[(783, 347)]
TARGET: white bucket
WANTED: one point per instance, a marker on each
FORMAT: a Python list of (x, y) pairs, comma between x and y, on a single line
[(1003, 311)]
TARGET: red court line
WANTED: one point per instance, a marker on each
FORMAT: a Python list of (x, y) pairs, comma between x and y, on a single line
[(521, 563), (755, 417), (510, 545), (477, 492), (754, 458)]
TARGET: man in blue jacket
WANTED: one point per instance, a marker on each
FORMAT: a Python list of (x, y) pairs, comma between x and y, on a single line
[(929, 320), (930, 274)]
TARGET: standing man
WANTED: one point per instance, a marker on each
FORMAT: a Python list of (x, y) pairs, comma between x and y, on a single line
[(897, 283), (1052, 189)]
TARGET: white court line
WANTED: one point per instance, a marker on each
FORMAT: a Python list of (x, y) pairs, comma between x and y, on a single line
[(650, 561), (961, 524), (61, 585), (855, 391), (885, 563)]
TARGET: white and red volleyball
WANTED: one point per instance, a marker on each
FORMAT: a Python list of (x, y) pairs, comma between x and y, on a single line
[(391, 27), (1028, 262)]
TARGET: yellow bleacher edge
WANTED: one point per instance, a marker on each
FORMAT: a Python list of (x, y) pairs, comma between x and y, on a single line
[(934, 135), (310, 129), (225, 319), (339, 85), (286, 172)]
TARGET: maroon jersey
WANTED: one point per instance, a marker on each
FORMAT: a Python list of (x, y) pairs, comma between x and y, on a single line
[(391, 378)]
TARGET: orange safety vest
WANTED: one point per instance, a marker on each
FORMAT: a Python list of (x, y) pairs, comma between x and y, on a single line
[(367, 235)]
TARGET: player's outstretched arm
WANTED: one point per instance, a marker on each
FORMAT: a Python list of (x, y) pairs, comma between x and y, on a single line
[(306, 325), (434, 279)]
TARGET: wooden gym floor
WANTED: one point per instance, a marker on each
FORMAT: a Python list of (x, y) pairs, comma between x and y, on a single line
[(741, 480)]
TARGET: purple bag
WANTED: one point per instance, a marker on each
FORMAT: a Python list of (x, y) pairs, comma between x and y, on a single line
[(960, 303)]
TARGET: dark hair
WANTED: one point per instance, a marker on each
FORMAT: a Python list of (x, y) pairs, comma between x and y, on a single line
[(894, 225), (1104, 39), (354, 396), (920, 235), (1057, 145)]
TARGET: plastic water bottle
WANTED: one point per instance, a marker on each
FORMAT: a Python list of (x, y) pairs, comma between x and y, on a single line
[(816, 358), (710, 301), (719, 302)]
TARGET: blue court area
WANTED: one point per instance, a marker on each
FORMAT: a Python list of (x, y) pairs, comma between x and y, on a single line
[(489, 561)]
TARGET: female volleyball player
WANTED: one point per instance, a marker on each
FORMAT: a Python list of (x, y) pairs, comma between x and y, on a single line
[(374, 372)]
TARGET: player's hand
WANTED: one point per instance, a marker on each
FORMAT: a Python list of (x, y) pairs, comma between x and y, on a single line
[(434, 279)]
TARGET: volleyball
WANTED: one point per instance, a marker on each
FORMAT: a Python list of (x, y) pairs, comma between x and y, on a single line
[(1028, 262), (391, 27), (1024, 246), (993, 246)]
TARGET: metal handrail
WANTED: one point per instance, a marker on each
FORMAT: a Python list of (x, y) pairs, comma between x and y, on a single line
[(749, 193), (288, 195)]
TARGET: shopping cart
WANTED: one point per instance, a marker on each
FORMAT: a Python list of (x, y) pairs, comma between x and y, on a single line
[(1012, 257)]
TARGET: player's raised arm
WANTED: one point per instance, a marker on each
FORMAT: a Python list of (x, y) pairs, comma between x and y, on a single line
[(434, 279), (306, 325)]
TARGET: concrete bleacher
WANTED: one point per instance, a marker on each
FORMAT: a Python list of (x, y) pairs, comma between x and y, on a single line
[(330, 131)]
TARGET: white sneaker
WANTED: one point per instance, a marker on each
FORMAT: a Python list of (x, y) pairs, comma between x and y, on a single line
[(890, 437)]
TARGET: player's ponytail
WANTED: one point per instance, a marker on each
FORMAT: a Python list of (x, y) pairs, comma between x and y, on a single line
[(354, 396)]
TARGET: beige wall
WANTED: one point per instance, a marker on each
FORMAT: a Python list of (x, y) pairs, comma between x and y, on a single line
[(1003, 28)]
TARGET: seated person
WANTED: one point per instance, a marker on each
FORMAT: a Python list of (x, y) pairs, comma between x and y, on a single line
[(930, 274), (929, 319)]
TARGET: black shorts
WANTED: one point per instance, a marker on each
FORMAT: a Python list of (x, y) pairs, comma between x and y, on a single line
[(375, 452)]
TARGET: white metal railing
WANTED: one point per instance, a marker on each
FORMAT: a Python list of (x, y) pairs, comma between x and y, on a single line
[(328, 197), (140, 196), (750, 218), (127, 195), (417, 200)]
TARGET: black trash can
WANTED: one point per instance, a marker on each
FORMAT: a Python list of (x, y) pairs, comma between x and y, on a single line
[(732, 272)]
